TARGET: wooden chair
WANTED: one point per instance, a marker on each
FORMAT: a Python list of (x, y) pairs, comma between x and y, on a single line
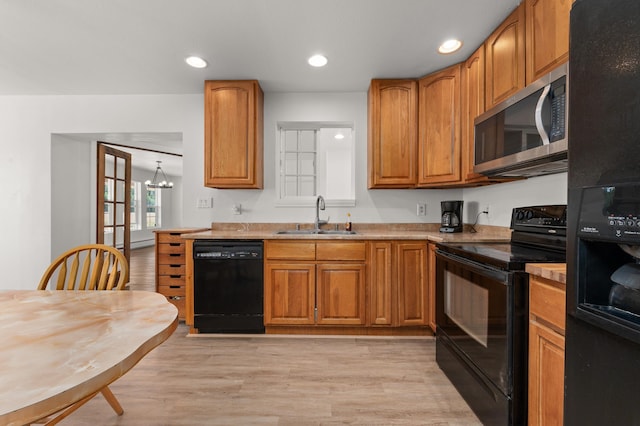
[(87, 267)]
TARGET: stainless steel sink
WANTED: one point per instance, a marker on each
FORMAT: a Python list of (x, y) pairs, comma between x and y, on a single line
[(315, 232)]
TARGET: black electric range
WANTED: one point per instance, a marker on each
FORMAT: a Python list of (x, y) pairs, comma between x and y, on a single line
[(538, 236), (482, 312)]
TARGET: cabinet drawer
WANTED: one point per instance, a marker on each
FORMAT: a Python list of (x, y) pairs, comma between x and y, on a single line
[(169, 248), (172, 290), (341, 251), (171, 280), (171, 269), (171, 258), (290, 250), (170, 237), (547, 301)]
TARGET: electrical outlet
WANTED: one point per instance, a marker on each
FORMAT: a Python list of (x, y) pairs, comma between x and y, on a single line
[(237, 209), (421, 209), (486, 209)]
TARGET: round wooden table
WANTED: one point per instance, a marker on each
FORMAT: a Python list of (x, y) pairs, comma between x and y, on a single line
[(58, 347)]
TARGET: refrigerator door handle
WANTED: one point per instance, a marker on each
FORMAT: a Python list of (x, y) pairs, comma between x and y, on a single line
[(539, 125)]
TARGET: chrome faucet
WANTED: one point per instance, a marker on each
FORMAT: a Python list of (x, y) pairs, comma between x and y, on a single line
[(319, 206)]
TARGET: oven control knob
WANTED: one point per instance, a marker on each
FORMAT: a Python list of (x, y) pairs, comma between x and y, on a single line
[(630, 222), (612, 222), (529, 215)]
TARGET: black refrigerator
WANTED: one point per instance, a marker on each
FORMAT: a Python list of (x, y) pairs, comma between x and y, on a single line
[(602, 353)]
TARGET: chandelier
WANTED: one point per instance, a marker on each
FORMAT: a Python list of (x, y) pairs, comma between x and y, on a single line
[(159, 179)]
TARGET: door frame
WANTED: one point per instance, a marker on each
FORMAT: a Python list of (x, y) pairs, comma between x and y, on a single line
[(125, 201)]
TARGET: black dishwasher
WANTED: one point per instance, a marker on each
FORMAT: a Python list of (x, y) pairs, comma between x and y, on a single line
[(228, 287)]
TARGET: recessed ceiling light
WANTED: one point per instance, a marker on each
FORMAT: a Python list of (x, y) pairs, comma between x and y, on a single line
[(317, 61), (196, 62), (339, 136), (450, 46)]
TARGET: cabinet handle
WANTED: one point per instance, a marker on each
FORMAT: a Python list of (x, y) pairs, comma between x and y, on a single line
[(174, 244), (174, 286), (174, 254), (175, 276), (174, 266), (175, 297)]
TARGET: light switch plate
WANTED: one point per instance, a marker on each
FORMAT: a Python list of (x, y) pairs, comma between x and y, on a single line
[(204, 203)]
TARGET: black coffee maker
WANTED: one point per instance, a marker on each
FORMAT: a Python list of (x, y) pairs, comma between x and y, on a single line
[(451, 219)]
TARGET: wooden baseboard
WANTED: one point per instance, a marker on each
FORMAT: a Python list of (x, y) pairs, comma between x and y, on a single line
[(350, 331)]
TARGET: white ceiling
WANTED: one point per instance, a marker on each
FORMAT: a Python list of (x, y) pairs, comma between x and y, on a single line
[(139, 46)]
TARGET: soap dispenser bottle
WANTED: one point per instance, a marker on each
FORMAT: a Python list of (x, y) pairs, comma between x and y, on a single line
[(347, 226)]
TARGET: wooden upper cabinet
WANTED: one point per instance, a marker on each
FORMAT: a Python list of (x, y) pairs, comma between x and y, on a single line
[(233, 134), (392, 145), (547, 36), (505, 58), (472, 106), (439, 127)]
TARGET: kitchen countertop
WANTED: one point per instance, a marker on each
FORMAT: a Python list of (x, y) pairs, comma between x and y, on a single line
[(552, 271), (377, 231)]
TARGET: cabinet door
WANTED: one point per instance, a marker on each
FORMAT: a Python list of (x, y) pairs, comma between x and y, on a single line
[(546, 375), (341, 294), (547, 36), (392, 134), (411, 276), (233, 134), (380, 277), (505, 72), (472, 106), (431, 285), (439, 127), (289, 297)]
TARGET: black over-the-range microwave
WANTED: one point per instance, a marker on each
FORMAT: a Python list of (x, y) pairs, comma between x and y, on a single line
[(526, 135)]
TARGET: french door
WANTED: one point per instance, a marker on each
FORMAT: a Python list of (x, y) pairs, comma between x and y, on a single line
[(114, 199)]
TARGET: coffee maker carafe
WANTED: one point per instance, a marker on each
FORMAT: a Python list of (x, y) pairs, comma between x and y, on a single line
[(451, 219)]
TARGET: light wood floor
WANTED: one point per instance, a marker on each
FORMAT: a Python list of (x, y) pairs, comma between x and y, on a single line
[(280, 380)]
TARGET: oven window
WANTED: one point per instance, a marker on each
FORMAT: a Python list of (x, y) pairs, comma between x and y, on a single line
[(467, 305)]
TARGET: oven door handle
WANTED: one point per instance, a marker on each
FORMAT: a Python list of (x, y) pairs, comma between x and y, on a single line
[(478, 268)]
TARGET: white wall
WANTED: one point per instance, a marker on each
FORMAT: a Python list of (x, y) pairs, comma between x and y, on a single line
[(72, 189), (28, 122), (502, 198)]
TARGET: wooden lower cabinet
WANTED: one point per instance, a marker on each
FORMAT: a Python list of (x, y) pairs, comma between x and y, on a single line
[(411, 276), (340, 297), (546, 351), (289, 296), (398, 283), (361, 285), (431, 286), (171, 267), (380, 278), (329, 290)]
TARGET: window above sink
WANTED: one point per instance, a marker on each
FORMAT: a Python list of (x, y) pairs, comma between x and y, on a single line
[(315, 158)]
